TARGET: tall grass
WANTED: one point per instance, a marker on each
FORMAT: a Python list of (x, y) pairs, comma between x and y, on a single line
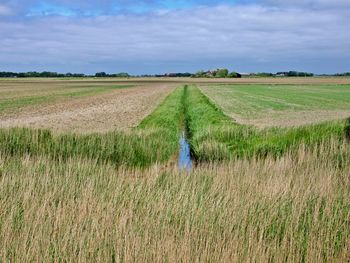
[(155, 140), (215, 137), (290, 209)]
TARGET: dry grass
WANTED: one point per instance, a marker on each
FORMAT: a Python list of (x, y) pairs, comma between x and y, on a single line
[(293, 209)]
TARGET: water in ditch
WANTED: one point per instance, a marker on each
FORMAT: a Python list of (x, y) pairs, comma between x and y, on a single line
[(185, 159)]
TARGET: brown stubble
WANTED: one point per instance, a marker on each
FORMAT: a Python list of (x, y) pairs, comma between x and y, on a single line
[(120, 109)]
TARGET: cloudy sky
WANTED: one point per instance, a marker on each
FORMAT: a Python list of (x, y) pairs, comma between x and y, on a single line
[(151, 36)]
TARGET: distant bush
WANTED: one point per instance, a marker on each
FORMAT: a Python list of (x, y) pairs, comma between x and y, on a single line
[(221, 73), (234, 75)]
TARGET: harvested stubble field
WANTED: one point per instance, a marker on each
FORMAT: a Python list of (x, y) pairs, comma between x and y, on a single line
[(270, 195), (78, 106)]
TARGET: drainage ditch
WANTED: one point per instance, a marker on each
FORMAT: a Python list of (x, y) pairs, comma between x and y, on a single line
[(186, 159)]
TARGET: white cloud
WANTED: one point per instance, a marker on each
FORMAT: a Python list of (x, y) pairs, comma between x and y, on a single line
[(218, 35), (5, 11), (334, 4)]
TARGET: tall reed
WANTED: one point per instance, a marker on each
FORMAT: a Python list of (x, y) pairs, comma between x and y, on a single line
[(290, 209)]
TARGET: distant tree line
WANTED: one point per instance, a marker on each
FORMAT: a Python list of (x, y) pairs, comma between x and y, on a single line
[(44, 74), (117, 75), (166, 75), (346, 74), (48, 74), (178, 75), (262, 74), (295, 74), (282, 74), (217, 73)]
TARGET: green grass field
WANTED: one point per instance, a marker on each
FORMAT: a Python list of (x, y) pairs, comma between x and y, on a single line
[(278, 194), (274, 105), (214, 136)]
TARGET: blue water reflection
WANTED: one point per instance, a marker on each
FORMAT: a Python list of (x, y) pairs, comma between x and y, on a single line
[(185, 160)]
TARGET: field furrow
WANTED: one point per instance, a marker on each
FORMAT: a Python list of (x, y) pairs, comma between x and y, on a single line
[(115, 109)]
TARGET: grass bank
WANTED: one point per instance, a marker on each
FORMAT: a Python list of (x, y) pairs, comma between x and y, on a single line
[(155, 140), (215, 137), (292, 209)]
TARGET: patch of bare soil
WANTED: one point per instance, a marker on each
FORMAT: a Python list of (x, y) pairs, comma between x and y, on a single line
[(117, 110)]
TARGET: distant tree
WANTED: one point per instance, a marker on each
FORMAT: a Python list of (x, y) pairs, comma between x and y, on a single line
[(200, 74), (218, 73), (292, 74), (186, 74), (345, 74), (8, 75), (34, 74), (221, 73), (101, 75), (48, 74), (176, 75), (234, 75), (297, 74), (122, 75)]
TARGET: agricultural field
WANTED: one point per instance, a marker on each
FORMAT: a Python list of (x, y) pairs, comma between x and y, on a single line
[(96, 177), (78, 106), (281, 105)]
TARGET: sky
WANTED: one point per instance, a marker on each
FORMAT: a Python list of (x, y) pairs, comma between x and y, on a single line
[(154, 37)]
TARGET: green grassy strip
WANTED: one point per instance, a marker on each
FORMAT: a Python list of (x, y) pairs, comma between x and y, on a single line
[(16, 103), (155, 140), (214, 136)]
